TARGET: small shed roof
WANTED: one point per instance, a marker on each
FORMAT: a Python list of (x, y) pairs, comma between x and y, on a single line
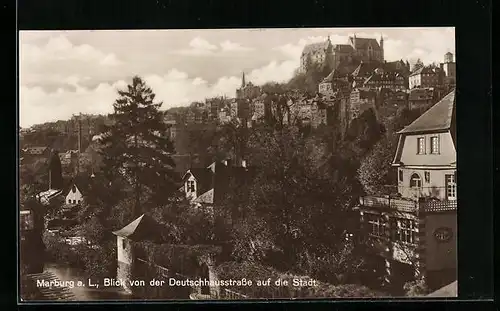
[(142, 228)]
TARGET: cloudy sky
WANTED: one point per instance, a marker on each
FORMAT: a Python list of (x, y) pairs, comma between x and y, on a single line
[(67, 72)]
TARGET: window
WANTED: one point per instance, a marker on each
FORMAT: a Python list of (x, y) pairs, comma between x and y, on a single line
[(421, 145), (451, 187), (435, 144), (124, 244), (377, 226), (190, 185), (406, 230), (400, 173), (427, 177), (415, 181)]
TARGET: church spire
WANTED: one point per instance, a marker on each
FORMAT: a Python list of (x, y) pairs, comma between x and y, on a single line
[(243, 82)]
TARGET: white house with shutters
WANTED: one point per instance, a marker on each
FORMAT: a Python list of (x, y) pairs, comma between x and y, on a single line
[(415, 231), (426, 154)]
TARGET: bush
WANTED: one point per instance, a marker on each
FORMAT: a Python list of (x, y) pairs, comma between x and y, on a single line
[(100, 262), (59, 252), (416, 288), (183, 259)]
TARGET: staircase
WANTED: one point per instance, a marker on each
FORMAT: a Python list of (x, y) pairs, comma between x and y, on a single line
[(52, 293)]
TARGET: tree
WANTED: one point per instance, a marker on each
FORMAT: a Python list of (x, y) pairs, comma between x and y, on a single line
[(375, 171), (55, 169), (135, 148), (296, 186)]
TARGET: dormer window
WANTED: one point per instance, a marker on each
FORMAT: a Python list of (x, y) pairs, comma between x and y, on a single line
[(191, 186)]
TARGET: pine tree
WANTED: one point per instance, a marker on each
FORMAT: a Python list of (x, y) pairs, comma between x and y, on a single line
[(135, 147), (55, 171)]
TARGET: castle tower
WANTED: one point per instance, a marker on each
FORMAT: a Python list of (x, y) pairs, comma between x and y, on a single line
[(448, 58)]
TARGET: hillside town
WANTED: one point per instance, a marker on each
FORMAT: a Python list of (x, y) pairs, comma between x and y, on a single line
[(355, 146)]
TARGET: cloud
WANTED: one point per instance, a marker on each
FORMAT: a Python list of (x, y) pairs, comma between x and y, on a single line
[(175, 88), (38, 106), (228, 46), (198, 46), (59, 48)]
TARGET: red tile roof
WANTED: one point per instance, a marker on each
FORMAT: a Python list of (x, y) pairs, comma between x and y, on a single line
[(437, 118)]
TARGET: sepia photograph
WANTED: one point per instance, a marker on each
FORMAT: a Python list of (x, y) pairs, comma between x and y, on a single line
[(237, 164)]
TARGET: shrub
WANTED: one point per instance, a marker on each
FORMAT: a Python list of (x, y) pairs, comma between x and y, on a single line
[(416, 288), (100, 262), (58, 251)]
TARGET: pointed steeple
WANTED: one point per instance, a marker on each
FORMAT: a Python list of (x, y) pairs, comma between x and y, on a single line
[(243, 82)]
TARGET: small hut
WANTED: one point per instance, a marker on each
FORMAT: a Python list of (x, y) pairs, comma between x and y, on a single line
[(141, 229)]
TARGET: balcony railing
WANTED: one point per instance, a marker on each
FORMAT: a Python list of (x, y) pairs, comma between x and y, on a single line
[(407, 205)]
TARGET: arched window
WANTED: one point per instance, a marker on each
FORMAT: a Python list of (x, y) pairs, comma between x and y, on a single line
[(415, 181)]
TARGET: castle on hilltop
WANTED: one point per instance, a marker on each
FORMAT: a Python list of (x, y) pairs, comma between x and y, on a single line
[(363, 49)]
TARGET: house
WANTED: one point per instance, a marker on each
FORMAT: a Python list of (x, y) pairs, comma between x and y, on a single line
[(258, 108), (339, 78), (196, 182), (74, 196), (205, 187), (393, 81), (415, 230), (421, 98), (45, 197), (361, 99), (36, 152), (76, 189), (364, 71), (424, 77)]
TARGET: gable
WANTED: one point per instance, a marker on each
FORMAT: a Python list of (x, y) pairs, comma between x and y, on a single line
[(406, 153), (74, 192)]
